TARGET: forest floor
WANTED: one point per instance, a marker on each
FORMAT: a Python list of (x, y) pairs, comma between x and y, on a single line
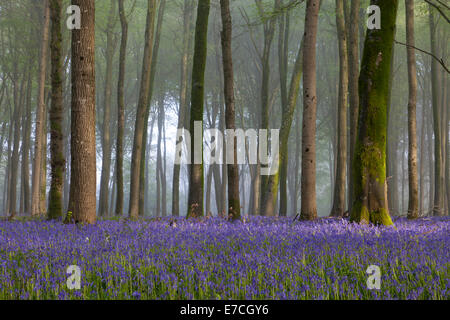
[(262, 258)]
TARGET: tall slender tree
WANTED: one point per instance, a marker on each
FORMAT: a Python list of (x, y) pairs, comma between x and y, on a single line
[(413, 203), (121, 109), (353, 63), (234, 205), (55, 204), (187, 17), (195, 198), (435, 94), (144, 92), (338, 208), (106, 125)]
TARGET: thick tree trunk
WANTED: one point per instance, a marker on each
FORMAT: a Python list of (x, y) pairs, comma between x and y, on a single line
[(338, 208), (55, 205), (413, 204), (144, 93), (83, 154), (195, 199), (371, 203), (234, 206), (121, 109), (106, 125), (308, 209)]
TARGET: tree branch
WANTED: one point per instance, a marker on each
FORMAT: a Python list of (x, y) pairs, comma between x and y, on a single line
[(441, 61), (439, 9)]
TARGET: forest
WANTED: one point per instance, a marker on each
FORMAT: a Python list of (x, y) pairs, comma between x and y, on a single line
[(168, 129)]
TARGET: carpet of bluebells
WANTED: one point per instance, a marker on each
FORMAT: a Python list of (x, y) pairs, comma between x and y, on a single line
[(263, 258)]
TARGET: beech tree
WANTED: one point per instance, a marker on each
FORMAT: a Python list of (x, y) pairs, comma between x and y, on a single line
[(83, 179), (371, 203)]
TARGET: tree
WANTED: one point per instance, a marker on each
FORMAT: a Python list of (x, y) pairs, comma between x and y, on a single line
[(234, 205), (106, 126), (413, 204), (371, 203), (55, 204), (195, 198), (82, 201), (121, 109), (187, 17), (144, 92), (338, 208), (353, 63), (438, 160), (308, 178)]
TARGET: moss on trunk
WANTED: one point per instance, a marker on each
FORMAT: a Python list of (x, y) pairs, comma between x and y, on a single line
[(369, 168)]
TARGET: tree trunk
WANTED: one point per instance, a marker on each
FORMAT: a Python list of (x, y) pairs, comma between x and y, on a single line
[(195, 199), (55, 204), (308, 209), (413, 204), (144, 93), (106, 125), (187, 16), (121, 109), (26, 149), (338, 208), (353, 63), (154, 59), (371, 203), (83, 154), (438, 161), (234, 206), (40, 114)]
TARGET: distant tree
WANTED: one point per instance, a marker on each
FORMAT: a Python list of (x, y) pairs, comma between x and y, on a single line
[(187, 17), (413, 204), (436, 101), (338, 208), (353, 63), (121, 109), (144, 93), (106, 125)]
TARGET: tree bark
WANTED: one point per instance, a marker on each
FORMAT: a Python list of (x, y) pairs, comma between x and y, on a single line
[(438, 161), (353, 63), (234, 205), (308, 209), (106, 125), (195, 198), (83, 154), (40, 113), (187, 16), (141, 110), (121, 109), (371, 203), (413, 203), (55, 205), (338, 208)]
